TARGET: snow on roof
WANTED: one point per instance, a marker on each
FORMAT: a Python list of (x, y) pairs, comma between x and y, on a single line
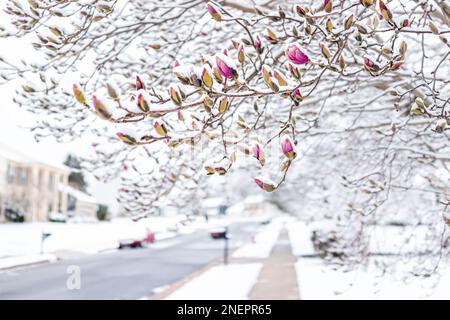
[(15, 155), (79, 195)]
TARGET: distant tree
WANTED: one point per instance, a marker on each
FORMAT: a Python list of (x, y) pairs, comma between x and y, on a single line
[(76, 177), (103, 213)]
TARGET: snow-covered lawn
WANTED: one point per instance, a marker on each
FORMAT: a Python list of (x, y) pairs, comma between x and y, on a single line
[(231, 282), (389, 277), (319, 281), (25, 239)]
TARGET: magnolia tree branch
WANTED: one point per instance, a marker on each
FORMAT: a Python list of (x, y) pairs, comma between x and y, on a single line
[(199, 90)]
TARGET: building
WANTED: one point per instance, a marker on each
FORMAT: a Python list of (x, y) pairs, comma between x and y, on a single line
[(31, 186), (80, 203)]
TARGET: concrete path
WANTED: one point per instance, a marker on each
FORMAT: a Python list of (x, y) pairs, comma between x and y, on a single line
[(278, 278)]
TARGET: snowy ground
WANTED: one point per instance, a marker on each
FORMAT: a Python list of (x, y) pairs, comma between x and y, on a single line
[(231, 282), (319, 281), (389, 277)]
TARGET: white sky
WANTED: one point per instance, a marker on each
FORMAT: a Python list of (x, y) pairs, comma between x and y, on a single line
[(14, 124)]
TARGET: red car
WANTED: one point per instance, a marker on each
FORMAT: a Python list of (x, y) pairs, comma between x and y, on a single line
[(137, 243)]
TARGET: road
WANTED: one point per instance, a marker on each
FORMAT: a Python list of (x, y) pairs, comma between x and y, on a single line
[(125, 274)]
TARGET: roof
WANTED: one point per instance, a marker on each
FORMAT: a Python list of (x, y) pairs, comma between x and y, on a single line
[(79, 195), (22, 157)]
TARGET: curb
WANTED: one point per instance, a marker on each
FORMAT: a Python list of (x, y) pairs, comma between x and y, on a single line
[(28, 264)]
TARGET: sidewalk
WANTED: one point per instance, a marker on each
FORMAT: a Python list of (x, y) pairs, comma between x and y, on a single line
[(262, 269), (278, 277)]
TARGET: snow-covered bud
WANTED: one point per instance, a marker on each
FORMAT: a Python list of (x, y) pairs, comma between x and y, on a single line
[(112, 91), (175, 95), (287, 146), (224, 103), (225, 66), (385, 12), (258, 44), (101, 109), (299, 10), (180, 116), (220, 170), (258, 153), (370, 65), (296, 95), (217, 75), (266, 73), (295, 54), (142, 103), (441, 125), (325, 51), (271, 36), (294, 71), (265, 184), (241, 54), (327, 5), (209, 170), (348, 22), (329, 25), (366, 3), (160, 128), (280, 78), (206, 78), (214, 11), (79, 95), (126, 138), (405, 23)]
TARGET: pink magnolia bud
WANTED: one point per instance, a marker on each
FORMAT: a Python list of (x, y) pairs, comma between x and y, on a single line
[(287, 146), (295, 55), (258, 44), (327, 5), (368, 63), (142, 103), (225, 68), (299, 10), (139, 83), (258, 154), (265, 184), (214, 12), (296, 95)]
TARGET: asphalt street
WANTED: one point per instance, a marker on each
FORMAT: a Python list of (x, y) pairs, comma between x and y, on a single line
[(124, 274)]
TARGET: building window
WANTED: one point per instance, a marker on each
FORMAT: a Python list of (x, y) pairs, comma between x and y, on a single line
[(23, 176), (51, 181), (11, 174), (41, 179)]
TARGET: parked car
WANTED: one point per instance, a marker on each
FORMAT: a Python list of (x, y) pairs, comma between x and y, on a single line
[(14, 215), (57, 217), (131, 243), (137, 243), (219, 233)]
